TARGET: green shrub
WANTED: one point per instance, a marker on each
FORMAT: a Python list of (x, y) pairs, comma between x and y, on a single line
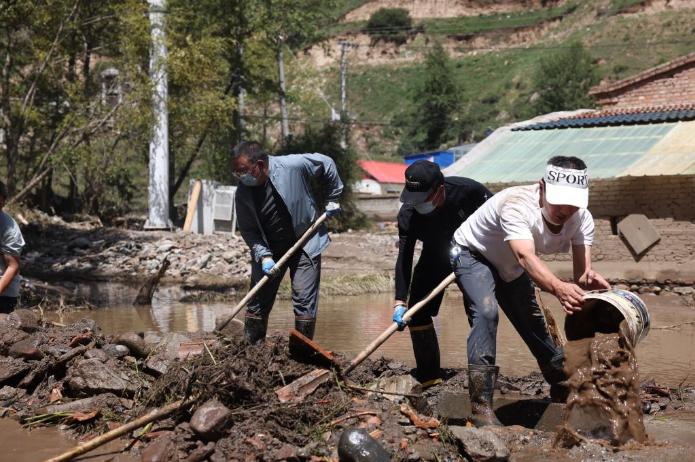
[(390, 24)]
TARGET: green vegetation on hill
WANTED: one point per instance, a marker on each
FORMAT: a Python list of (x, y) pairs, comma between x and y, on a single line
[(497, 86), (465, 25)]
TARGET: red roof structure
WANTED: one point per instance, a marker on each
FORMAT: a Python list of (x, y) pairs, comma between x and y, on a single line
[(384, 172)]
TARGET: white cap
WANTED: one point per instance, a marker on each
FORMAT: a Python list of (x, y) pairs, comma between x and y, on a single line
[(566, 186)]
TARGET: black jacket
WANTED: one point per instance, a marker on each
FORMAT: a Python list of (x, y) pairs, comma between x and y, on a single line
[(435, 230)]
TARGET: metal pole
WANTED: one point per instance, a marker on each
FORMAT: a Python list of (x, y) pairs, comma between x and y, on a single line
[(240, 92), (158, 189), (285, 128)]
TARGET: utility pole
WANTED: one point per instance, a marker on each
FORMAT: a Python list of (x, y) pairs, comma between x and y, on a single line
[(285, 127), (344, 48), (240, 92), (158, 189)]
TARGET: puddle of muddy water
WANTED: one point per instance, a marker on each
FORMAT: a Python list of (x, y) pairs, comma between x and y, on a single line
[(349, 324), (21, 445)]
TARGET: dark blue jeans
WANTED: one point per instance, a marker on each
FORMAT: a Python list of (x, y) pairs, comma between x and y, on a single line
[(484, 292)]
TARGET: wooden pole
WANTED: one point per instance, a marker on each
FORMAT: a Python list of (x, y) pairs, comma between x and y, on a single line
[(279, 264), (120, 431), (192, 204)]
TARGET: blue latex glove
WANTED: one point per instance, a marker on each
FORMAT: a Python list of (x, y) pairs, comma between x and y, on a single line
[(398, 313), (267, 265), (332, 209)]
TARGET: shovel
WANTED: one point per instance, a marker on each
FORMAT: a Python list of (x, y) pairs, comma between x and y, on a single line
[(308, 383), (297, 245)]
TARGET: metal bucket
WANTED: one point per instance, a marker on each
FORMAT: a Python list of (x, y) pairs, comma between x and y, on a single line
[(604, 310)]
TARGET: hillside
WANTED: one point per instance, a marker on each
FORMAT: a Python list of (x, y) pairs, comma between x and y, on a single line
[(495, 47)]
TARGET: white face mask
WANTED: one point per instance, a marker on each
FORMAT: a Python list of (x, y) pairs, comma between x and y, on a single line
[(425, 208), (546, 215)]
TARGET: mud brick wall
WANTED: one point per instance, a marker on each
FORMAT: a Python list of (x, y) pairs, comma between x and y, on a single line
[(669, 196), (677, 244), (668, 202)]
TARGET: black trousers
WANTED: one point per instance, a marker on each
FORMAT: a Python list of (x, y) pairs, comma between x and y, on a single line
[(429, 271)]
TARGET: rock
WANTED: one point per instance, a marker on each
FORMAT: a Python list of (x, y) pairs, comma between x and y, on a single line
[(201, 453), (25, 320), (134, 342), (95, 353), (85, 325), (479, 444), (356, 445), (27, 349), (165, 246), (115, 351), (684, 290), (203, 261), (12, 369), (162, 449), (210, 419), (230, 257), (9, 336), (157, 365), (168, 347), (91, 376), (8, 393), (80, 243), (399, 384), (286, 452)]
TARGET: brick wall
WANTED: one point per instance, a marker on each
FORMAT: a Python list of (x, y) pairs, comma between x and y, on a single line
[(678, 88)]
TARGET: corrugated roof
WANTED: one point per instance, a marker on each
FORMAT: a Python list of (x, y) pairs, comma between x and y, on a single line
[(625, 116), (384, 172), (520, 156)]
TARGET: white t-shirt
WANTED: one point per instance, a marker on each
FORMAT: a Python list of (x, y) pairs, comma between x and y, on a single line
[(515, 213)]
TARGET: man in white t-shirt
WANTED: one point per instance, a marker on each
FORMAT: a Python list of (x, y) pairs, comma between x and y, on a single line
[(494, 257)]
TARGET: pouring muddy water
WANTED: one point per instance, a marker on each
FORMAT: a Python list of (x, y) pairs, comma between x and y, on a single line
[(604, 401)]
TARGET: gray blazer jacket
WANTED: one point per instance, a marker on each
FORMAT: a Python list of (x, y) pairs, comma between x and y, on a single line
[(291, 176)]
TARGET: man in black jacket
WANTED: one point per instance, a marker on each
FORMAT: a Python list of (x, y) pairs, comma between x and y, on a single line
[(433, 208)]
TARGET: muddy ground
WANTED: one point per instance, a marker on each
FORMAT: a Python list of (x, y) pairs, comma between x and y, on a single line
[(88, 383)]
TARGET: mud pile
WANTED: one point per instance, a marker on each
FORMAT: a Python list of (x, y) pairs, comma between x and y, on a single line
[(604, 401), (90, 383)]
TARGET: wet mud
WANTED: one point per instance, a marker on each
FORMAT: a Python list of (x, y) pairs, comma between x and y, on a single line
[(604, 401), (88, 383)]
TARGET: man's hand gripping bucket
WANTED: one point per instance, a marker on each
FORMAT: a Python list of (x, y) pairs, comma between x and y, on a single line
[(605, 310)]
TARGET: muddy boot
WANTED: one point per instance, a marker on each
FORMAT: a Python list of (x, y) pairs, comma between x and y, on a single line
[(298, 350), (481, 386), (554, 374), (255, 328), (305, 326), (426, 350)]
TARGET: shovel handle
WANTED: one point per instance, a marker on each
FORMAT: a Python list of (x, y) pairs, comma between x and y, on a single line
[(279, 264), (376, 343)]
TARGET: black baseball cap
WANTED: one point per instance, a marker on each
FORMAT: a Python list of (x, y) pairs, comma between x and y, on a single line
[(421, 177)]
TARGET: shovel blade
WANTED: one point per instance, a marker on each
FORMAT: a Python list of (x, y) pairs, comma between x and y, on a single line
[(303, 386), (305, 350)]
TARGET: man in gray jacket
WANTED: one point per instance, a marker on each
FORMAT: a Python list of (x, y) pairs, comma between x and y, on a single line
[(275, 206)]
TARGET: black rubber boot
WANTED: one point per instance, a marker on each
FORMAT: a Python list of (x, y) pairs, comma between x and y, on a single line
[(426, 350), (554, 374), (255, 328), (481, 386), (305, 326)]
